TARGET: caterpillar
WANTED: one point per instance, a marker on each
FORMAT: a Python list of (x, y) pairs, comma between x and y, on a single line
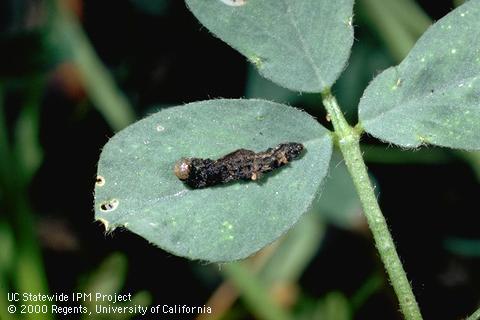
[(240, 164)]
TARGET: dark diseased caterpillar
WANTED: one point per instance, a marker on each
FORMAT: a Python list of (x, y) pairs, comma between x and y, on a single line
[(241, 164)]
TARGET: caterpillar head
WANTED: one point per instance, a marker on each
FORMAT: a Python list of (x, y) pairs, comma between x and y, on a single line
[(182, 168)]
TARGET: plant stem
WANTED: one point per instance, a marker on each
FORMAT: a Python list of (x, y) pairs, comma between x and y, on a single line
[(98, 82), (254, 294), (368, 288), (474, 316), (473, 158), (410, 15), (396, 36), (29, 275), (348, 140), (457, 3)]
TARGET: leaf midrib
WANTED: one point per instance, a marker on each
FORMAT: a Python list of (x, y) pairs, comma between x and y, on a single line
[(305, 48)]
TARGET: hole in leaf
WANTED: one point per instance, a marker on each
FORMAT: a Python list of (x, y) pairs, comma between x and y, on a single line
[(109, 205), (100, 181), (104, 223), (234, 3)]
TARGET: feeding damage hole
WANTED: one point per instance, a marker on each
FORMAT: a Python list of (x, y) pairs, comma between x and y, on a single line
[(109, 205), (100, 181), (104, 223), (234, 3), (241, 164)]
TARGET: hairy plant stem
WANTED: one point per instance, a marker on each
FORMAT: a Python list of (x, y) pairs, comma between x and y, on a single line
[(348, 139), (474, 316)]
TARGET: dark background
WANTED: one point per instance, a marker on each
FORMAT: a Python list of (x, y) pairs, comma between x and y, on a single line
[(161, 56)]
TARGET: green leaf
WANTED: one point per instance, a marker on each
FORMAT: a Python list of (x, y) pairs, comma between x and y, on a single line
[(301, 45), (339, 203), (295, 252), (220, 223), (257, 87), (109, 277), (433, 96), (334, 305), (463, 247), (7, 255), (254, 292)]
